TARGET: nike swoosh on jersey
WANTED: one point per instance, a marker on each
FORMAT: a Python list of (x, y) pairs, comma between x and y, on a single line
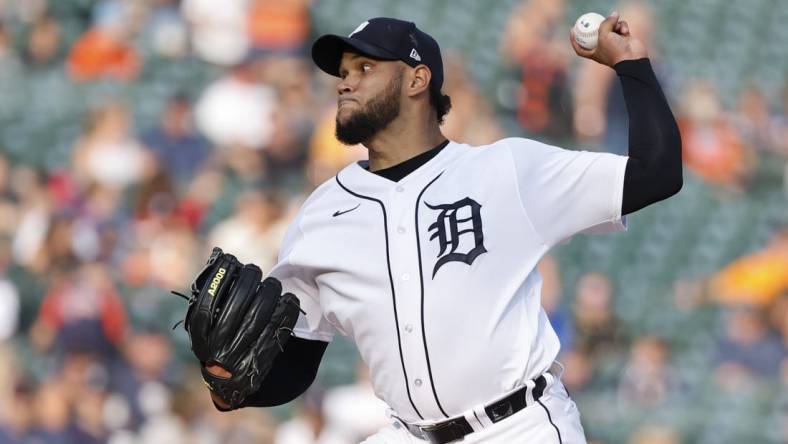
[(339, 213)]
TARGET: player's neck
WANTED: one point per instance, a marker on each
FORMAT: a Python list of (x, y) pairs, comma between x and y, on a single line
[(401, 141)]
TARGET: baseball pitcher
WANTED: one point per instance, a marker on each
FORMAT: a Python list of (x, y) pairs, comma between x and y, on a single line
[(425, 255)]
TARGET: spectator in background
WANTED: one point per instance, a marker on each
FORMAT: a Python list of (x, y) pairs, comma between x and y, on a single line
[(278, 26), (155, 199), (236, 111), (209, 426), (286, 155), (53, 424), (593, 329), (655, 434), (254, 231), (105, 50), (44, 44), (17, 420), (756, 125), (166, 29), (578, 369), (107, 153), (31, 234), (532, 41), (748, 351), (471, 119), (10, 64), (712, 148), (169, 250), (599, 114), (294, 121), (88, 405), (81, 311), (9, 203), (9, 321), (648, 379), (179, 149), (596, 329), (94, 231), (11, 75), (756, 279), (58, 253), (353, 412), (143, 378), (200, 195), (308, 425), (24, 11), (9, 297), (218, 29), (81, 382), (778, 318)]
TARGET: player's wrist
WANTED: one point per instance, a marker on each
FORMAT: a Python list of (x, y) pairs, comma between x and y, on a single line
[(628, 56), (621, 63)]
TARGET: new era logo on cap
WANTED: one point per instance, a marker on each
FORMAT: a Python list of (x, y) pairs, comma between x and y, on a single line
[(415, 55)]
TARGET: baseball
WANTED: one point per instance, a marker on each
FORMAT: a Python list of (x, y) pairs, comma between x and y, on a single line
[(587, 29)]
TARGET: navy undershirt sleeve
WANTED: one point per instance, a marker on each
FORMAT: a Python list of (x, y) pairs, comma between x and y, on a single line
[(653, 171)]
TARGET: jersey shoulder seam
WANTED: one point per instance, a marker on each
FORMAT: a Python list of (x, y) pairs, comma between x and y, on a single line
[(519, 194)]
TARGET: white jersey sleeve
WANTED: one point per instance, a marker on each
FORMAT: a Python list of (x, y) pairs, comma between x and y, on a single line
[(300, 281), (566, 192)]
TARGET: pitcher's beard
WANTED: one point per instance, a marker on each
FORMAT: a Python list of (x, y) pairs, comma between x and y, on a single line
[(379, 112)]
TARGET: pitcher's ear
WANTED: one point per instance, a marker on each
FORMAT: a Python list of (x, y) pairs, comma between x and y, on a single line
[(420, 80)]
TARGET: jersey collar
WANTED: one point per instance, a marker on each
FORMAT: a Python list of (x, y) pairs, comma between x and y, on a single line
[(359, 179)]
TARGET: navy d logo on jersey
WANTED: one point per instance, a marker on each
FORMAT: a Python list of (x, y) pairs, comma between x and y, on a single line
[(458, 225)]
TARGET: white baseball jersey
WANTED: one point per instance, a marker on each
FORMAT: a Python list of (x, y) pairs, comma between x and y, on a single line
[(434, 277)]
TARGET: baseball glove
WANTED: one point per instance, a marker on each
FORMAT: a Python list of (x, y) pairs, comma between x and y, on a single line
[(239, 323)]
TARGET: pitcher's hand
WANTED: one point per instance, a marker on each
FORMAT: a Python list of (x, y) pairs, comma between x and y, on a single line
[(614, 44), (219, 371)]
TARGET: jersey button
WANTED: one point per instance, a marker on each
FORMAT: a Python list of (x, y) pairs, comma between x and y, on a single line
[(406, 277), (399, 189), (401, 230), (417, 383), (409, 328)]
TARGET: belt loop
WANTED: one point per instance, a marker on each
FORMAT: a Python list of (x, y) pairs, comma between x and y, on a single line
[(529, 392), (549, 379), (480, 416)]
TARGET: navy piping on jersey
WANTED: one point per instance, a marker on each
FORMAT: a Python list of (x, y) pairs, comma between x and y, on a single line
[(550, 418), (421, 282), (391, 282)]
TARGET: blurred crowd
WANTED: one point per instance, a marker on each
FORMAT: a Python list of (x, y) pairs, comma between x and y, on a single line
[(90, 247), (559, 97)]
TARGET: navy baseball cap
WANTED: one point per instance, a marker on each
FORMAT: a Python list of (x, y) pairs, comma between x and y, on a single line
[(382, 39)]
